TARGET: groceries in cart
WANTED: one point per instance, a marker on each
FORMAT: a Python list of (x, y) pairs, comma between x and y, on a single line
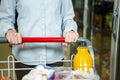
[(66, 73), (61, 73), (41, 72), (83, 66)]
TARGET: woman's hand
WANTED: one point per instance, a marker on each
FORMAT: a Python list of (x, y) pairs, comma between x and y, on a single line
[(13, 37), (70, 37)]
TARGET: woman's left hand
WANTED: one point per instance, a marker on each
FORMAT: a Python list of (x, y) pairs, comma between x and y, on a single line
[(70, 37)]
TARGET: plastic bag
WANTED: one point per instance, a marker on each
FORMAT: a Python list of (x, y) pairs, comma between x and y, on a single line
[(68, 74), (41, 72), (82, 75)]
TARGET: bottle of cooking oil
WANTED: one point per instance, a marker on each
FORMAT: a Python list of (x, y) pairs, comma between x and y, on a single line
[(83, 60)]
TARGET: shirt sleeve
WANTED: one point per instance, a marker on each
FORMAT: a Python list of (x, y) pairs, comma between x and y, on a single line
[(7, 16), (68, 17)]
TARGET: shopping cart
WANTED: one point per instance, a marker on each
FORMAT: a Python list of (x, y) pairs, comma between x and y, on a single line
[(10, 62)]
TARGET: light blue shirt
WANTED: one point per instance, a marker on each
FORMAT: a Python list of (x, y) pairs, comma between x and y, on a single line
[(38, 18)]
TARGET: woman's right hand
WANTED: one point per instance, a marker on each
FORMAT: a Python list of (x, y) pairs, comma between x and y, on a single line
[(13, 37)]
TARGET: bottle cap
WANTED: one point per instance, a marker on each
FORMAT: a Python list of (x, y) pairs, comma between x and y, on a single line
[(82, 44)]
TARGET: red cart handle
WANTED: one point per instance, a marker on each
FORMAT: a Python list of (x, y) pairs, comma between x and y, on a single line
[(43, 39)]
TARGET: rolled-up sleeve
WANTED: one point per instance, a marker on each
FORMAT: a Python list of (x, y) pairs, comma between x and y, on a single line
[(7, 16), (68, 17)]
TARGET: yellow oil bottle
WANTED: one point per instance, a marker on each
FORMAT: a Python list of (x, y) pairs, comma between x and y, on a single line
[(83, 60)]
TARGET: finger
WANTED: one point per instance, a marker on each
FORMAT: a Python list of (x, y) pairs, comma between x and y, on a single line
[(10, 39), (64, 44), (19, 38), (68, 38), (77, 36), (22, 45), (15, 38), (74, 37)]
